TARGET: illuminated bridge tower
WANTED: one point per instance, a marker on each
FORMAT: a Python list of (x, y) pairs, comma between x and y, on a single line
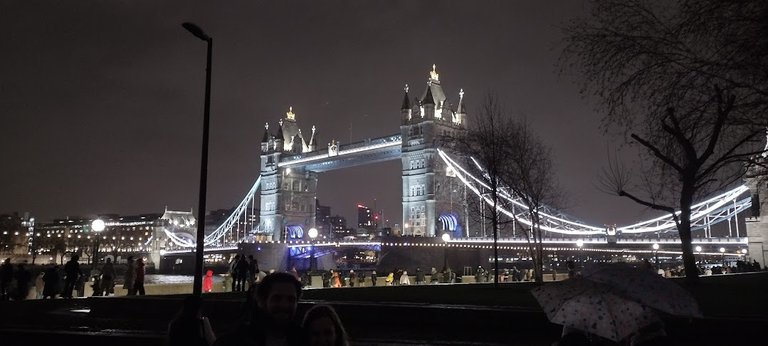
[(433, 198), (287, 194)]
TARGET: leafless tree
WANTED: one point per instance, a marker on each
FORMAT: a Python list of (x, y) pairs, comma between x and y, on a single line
[(516, 165), (685, 80), (529, 174)]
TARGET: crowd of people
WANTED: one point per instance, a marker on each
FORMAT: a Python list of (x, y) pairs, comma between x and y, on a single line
[(69, 281)]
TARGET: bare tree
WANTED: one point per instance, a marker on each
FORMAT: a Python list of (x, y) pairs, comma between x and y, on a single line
[(685, 80), (529, 174), (517, 166)]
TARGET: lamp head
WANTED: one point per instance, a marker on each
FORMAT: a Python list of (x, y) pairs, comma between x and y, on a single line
[(312, 233), (98, 225), (196, 30)]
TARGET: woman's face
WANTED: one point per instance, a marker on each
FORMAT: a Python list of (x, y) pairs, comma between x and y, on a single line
[(322, 332)]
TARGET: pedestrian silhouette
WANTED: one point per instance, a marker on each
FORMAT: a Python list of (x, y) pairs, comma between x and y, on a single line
[(73, 273)]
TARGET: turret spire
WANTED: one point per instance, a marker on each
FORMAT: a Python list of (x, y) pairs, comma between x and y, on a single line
[(290, 115), (433, 74), (266, 133), (460, 108), (406, 100)]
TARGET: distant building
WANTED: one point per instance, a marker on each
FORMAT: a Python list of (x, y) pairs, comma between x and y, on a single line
[(339, 227), (323, 219), (365, 217), (13, 235)]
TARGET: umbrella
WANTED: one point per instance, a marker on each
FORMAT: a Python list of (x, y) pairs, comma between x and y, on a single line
[(645, 287), (593, 308)]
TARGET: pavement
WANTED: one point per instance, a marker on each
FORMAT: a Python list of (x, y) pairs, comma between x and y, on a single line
[(143, 320)]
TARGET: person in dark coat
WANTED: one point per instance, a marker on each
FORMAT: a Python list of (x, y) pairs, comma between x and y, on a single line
[(23, 278), (138, 285), (271, 320), (420, 278), (241, 272), (6, 276), (73, 273), (51, 282), (253, 271)]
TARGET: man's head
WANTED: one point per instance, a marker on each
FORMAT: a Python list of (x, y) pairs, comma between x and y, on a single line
[(278, 295), (109, 260), (75, 257)]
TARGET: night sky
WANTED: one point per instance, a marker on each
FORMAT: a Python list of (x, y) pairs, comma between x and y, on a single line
[(102, 101)]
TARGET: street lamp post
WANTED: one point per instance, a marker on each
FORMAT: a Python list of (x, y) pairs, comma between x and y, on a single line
[(580, 244), (446, 237), (312, 262), (198, 282), (656, 254), (97, 226), (698, 250), (722, 251)]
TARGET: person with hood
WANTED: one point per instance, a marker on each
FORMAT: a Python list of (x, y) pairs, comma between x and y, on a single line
[(138, 285), (23, 278), (51, 282), (130, 277), (420, 279), (404, 279), (73, 273), (108, 277), (208, 281), (390, 278)]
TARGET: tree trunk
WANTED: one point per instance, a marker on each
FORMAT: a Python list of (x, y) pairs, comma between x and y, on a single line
[(495, 222), (689, 259)]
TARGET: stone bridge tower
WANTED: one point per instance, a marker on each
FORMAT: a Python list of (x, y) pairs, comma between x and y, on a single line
[(433, 198), (287, 194)]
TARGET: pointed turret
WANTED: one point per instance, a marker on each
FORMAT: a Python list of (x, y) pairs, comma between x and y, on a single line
[(313, 139), (428, 99), (406, 100), (280, 131), (265, 138), (405, 109), (461, 115)]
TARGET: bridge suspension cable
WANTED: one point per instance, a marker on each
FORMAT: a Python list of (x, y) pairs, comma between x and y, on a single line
[(704, 214), (233, 220)]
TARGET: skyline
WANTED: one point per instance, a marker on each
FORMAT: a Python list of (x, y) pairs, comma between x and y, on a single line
[(104, 102)]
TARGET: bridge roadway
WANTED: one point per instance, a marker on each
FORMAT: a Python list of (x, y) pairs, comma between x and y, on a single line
[(710, 246)]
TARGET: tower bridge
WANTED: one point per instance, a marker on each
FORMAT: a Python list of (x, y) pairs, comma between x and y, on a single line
[(436, 188)]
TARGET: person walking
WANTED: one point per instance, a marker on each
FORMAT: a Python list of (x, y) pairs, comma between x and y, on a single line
[(335, 280), (138, 286), (241, 270), (420, 279), (23, 278), (233, 273), (253, 271), (51, 280), (373, 278), (108, 277), (433, 276), (39, 285), (130, 277), (72, 274), (352, 278), (208, 281), (404, 279), (6, 276), (390, 278)]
